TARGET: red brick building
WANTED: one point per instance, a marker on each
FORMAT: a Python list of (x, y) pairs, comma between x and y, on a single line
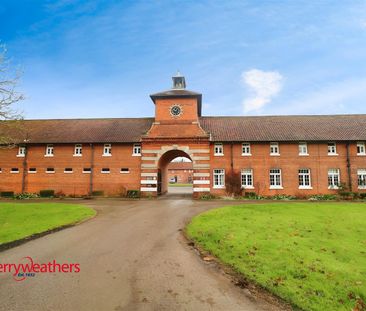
[(180, 172), (295, 155)]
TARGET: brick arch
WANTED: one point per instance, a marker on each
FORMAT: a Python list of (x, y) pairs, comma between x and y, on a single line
[(164, 161)]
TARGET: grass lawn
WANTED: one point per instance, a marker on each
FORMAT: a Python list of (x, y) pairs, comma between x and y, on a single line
[(180, 185), (19, 220), (311, 254)]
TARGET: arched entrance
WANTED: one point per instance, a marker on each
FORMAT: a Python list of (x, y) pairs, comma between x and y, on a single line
[(164, 161)]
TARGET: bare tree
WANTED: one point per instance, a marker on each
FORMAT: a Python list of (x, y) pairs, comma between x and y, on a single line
[(10, 127)]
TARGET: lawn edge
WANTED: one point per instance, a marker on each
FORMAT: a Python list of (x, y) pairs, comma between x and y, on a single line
[(15, 243), (238, 279)]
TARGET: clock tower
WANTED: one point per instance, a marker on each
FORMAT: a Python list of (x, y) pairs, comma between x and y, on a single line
[(177, 111)]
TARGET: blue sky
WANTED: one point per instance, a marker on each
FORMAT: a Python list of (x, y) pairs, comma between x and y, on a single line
[(103, 58)]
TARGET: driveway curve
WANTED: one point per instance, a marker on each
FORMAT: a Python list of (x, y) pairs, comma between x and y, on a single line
[(132, 256)]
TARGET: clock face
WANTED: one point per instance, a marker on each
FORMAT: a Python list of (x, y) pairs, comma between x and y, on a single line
[(175, 110)]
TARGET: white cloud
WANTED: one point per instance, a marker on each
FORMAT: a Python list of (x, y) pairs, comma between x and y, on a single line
[(264, 85)]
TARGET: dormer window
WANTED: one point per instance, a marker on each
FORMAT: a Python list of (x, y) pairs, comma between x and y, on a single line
[(49, 151)]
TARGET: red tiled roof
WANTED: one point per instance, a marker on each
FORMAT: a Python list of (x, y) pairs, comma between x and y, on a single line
[(83, 130), (126, 130), (286, 128)]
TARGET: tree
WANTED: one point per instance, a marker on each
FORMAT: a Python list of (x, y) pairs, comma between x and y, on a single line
[(9, 79)]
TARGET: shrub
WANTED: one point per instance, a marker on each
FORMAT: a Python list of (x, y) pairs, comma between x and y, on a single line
[(233, 183), (23, 196), (7, 194), (284, 197), (133, 194), (207, 196), (362, 195), (344, 192), (98, 193), (253, 196), (48, 193), (323, 197), (60, 194)]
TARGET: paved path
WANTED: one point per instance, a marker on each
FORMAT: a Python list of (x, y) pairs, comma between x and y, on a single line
[(132, 257)]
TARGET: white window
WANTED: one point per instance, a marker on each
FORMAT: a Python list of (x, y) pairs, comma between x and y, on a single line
[(303, 149), (105, 170), (32, 170), (247, 178), (333, 178), (304, 178), (361, 178), (21, 151), (219, 178), (78, 150), (274, 149), (275, 179), (50, 170), (361, 150), (124, 170), (107, 150), (332, 149), (49, 151), (68, 170), (14, 170), (219, 149), (245, 149), (87, 170), (136, 150)]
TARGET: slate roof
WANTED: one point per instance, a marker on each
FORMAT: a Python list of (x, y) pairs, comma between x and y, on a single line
[(286, 128), (255, 129)]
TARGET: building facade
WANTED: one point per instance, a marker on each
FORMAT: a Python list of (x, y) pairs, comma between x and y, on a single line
[(294, 155), (180, 172)]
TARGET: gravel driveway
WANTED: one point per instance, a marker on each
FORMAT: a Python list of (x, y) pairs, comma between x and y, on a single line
[(132, 256)]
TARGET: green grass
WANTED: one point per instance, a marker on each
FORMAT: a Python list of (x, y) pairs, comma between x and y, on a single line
[(311, 254), (19, 220), (180, 185)]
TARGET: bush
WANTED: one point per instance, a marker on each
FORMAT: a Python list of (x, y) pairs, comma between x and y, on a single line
[(253, 196), (7, 194), (323, 197), (284, 197), (47, 193), (60, 194), (207, 196), (26, 195), (233, 183), (362, 195), (133, 194), (98, 193)]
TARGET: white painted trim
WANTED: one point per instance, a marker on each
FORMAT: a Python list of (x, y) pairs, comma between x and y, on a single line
[(201, 158), (149, 182), (247, 187), (305, 187), (48, 155), (148, 166), (201, 174), (77, 155), (149, 174), (199, 166), (200, 150), (136, 154), (106, 155), (219, 187), (149, 158), (201, 182), (20, 155), (218, 154), (275, 187), (149, 189), (246, 154), (201, 189)]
